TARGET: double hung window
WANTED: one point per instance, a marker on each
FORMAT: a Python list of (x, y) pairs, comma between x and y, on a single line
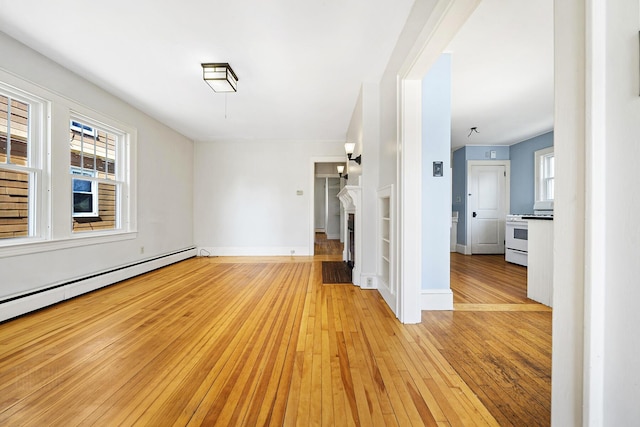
[(47, 141), (96, 178), (21, 169), (544, 179)]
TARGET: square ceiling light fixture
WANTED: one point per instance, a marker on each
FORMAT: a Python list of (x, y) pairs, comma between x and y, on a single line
[(220, 77)]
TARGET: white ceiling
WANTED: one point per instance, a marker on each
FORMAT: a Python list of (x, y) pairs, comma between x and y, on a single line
[(502, 73), (300, 64)]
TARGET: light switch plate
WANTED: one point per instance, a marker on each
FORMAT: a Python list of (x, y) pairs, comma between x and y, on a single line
[(437, 168)]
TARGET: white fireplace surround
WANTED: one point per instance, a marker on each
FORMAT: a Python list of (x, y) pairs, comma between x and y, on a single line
[(350, 198)]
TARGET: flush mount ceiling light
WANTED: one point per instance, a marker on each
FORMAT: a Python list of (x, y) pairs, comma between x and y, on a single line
[(220, 77)]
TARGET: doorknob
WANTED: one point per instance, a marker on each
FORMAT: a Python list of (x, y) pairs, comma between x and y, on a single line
[(475, 214)]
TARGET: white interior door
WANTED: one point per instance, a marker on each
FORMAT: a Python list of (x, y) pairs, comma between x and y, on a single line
[(487, 206)]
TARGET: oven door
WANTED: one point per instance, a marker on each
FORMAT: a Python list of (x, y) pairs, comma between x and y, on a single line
[(517, 236)]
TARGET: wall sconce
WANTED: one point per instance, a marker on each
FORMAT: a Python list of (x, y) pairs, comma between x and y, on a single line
[(341, 170), (348, 148), (220, 77)]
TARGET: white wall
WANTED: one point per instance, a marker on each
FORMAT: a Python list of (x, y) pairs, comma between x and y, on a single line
[(364, 130), (622, 200), (247, 202), (417, 19), (164, 184), (596, 378)]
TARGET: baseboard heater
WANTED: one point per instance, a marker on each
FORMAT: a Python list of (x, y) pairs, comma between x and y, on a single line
[(35, 300)]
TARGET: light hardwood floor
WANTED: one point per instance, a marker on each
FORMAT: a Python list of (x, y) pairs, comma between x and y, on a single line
[(260, 341)]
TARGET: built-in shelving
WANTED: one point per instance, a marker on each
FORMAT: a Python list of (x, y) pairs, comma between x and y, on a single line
[(385, 242)]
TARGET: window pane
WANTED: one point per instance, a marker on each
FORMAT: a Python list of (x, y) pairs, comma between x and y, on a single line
[(93, 150), (82, 203), (14, 204), (107, 205), (107, 209), (549, 189), (14, 131), (82, 185), (106, 149), (19, 132), (3, 128)]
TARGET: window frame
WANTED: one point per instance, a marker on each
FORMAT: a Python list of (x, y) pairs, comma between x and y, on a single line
[(125, 146), (54, 222), (36, 168), (542, 199)]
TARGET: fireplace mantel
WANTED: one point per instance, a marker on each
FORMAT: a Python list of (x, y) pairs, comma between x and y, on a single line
[(350, 197)]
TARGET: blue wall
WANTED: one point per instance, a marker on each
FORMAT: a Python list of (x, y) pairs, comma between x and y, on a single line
[(436, 146), (522, 175), (483, 152), (523, 172)]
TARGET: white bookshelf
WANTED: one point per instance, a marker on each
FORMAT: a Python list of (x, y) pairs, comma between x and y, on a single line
[(386, 241)]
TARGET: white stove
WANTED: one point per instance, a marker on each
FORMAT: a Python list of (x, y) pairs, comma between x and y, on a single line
[(516, 240), (517, 236)]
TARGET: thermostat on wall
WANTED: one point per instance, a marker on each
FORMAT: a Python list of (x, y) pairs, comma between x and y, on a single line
[(437, 168)]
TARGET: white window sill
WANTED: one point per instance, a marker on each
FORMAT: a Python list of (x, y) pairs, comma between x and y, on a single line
[(31, 246), (546, 205)]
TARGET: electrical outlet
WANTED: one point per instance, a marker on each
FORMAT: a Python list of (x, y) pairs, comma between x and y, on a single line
[(369, 282), (293, 251)]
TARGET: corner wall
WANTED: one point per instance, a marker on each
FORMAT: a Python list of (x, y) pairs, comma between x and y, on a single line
[(164, 183), (248, 200), (522, 157)]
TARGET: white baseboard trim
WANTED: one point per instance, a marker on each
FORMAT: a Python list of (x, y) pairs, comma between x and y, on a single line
[(436, 299), (388, 297), (333, 236), (253, 251), (463, 249), (59, 292)]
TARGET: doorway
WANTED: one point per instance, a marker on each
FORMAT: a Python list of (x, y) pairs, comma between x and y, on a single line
[(327, 216), (326, 234)]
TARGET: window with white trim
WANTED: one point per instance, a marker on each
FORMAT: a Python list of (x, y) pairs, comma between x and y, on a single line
[(544, 179), (21, 166), (98, 164), (97, 179)]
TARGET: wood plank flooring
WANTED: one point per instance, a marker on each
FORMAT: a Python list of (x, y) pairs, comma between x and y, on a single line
[(497, 339), (260, 341), (324, 246)]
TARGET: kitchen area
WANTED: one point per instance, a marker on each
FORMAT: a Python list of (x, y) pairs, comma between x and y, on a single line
[(527, 217)]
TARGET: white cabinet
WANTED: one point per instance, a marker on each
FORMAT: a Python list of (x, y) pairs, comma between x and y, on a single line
[(540, 260)]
